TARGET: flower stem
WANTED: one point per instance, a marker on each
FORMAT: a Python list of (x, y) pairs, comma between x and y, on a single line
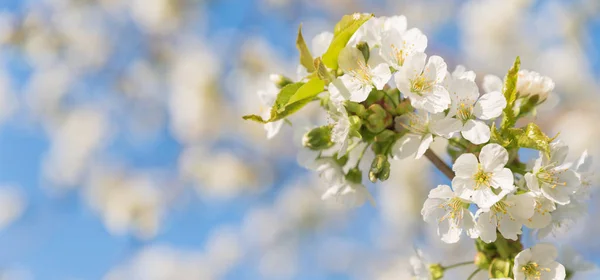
[(474, 273), (362, 153), (457, 265), (439, 164)]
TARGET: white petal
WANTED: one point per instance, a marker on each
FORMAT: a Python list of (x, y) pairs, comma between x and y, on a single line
[(441, 191), (449, 232), (486, 226), (493, 157), (503, 179), (381, 75), (273, 128), (413, 66), (431, 211), (463, 187), (415, 40), (484, 197), (544, 253), (490, 105), (436, 69), (509, 228), (532, 182), (466, 165), (406, 146), (445, 127), (397, 23), (557, 272), (477, 132), (524, 206), (358, 90), (492, 83), (424, 145), (437, 100)]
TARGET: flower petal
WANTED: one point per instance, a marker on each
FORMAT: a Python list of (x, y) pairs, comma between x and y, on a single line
[(466, 165), (381, 75), (490, 105), (493, 157), (436, 101), (503, 179), (406, 146), (492, 83), (436, 69), (477, 132)]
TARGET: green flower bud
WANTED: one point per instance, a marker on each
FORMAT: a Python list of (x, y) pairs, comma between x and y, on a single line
[(363, 47), (378, 118), (356, 108), (354, 175), (404, 107), (380, 169), (318, 138), (500, 268), (385, 136), (279, 80), (355, 125), (482, 261), (342, 160), (436, 271)]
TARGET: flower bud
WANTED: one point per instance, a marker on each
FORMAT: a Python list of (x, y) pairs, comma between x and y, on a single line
[(500, 268), (482, 261), (436, 271), (380, 169), (355, 125), (356, 108), (378, 118), (404, 107), (354, 175), (279, 80), (318, 138)]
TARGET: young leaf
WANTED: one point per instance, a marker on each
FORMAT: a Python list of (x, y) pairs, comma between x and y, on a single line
[(322, 72), (510, 93), (307, 91), (343, 31), (306, 58), (255, 118), (532, 137), (283, 97)]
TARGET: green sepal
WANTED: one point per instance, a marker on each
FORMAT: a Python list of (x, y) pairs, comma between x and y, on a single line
[(322, 72), (343, 31), (363, 47)]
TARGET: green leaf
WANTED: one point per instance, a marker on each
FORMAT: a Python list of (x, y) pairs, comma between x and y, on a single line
[(307, 91), (510, 93), (496, 137), (255, 118), (532, 137), (283, 97), (290, 99), (343, 31), (306, 58)]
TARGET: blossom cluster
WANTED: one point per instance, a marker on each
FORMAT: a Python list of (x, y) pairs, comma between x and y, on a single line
[(386, 99)]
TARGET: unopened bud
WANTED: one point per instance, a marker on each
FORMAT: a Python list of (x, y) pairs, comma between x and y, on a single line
[(354, 175), (380, 169), (356, 108), (318, 138), (279, 80), (378, 118), (482, 261), (436, 271)]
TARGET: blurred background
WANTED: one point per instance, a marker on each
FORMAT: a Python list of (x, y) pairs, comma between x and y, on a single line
[(123, 154)]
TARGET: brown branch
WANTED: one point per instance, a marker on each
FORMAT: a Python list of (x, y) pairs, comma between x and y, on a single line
[(439, 164)]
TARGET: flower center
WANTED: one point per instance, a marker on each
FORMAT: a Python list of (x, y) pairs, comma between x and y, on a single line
[(363, 72), (454, 209), (465, 112), (415, 124), (532, 271), (420, 84), (398, 54), (482, 179), (550, 176)]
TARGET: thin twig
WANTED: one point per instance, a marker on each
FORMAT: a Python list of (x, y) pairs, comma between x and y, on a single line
[(439, 164), (473, 274), (458, 264)]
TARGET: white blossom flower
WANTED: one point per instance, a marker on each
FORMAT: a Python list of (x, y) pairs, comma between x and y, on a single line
[(552, 176), (372, 31), (360, 76), (419, 269), (397, 46), (450, 212), (538, 262), (506, 215), (341, 123), (267, 98), (460, 72), (563, 218), (470, 109), (475, 179), (583, 167), (350, 193), (542, 211), (422, 82), (530, 83), (422, 127)]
